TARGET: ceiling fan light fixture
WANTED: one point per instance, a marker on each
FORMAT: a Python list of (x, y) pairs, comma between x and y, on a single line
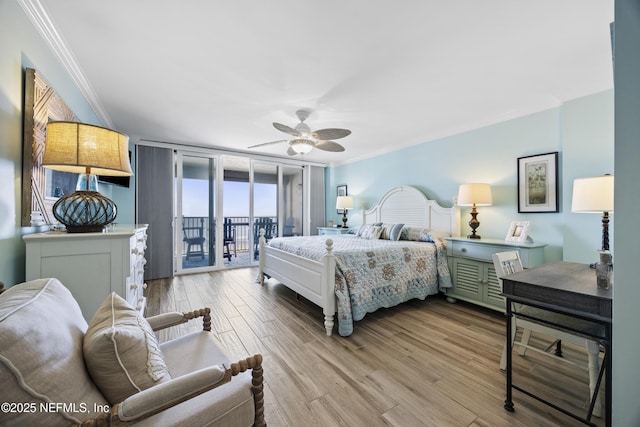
[(301, 146)]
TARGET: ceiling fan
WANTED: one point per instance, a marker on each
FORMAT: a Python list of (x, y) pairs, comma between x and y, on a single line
[(305, 139)]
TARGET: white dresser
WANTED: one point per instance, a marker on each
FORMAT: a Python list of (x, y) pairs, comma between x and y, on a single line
[(92, 265)]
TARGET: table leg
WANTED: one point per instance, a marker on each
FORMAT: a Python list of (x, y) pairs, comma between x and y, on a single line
[(508, 403), (608, 363)]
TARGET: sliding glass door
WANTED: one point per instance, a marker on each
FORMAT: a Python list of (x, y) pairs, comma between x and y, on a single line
[(195, 209), (253, 195)]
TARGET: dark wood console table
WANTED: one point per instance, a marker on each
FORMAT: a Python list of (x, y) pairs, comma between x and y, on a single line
[(568, 288)]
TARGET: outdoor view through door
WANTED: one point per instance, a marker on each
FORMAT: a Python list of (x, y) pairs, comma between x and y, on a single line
[(255, 195)]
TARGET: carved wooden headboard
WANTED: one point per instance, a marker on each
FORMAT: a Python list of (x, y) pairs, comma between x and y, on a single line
[(409, 206)]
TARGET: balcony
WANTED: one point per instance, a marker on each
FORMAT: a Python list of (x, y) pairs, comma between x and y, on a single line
[(198, 244)]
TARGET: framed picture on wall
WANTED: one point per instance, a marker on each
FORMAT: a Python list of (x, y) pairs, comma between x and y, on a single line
[(538, 183), (341, 190)]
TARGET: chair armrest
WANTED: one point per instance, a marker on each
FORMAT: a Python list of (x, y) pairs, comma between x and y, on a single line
[(166, 320), (177, 390)]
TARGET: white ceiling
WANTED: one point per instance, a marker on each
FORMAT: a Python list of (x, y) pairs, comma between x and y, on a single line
[(396, 73)]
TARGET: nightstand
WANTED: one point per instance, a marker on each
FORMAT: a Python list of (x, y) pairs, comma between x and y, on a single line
[(472, 273), (332, 230)]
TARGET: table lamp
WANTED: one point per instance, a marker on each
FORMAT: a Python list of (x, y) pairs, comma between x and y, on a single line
[(344, 203), (475, 194), (595, 195), (87, 150)]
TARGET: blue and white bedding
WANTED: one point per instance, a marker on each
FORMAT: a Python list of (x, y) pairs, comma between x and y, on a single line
[(372, 273)]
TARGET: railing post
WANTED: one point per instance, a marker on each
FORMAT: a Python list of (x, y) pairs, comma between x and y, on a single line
[(261, 243)]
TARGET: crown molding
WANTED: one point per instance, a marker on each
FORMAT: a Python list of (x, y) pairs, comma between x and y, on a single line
[(43, 24)]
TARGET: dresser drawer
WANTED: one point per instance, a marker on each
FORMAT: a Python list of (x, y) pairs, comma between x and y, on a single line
[(470, 250)]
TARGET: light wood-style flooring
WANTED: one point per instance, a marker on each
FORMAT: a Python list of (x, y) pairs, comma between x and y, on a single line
[(424, 363)]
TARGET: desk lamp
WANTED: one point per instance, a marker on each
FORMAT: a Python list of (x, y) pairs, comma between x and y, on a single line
[(595, 195)]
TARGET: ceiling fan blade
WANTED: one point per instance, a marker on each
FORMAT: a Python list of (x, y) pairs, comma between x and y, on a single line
[(331, 133), (268, 143), (291, 151), (286, 129), (329, 146)]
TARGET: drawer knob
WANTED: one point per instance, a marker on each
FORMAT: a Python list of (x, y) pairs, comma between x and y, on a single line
[(463, 250)]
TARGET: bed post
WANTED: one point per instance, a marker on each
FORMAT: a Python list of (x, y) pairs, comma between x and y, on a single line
[(329, 309), (261, 243)]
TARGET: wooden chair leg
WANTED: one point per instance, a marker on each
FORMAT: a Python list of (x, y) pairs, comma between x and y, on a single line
[(593, 350), (526, 335), (503, 359)]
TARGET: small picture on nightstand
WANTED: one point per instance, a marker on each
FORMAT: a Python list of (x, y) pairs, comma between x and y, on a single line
[(518, 232)]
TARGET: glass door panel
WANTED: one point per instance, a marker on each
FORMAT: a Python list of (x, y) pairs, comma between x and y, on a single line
[(265, 203), (236, 212), (195, 212), (292, 186)]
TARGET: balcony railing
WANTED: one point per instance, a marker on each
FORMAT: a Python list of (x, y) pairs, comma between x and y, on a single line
[(194, 225)]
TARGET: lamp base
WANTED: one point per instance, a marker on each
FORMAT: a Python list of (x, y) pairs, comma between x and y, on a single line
[(474, 224), (344, 219), (84, 211)]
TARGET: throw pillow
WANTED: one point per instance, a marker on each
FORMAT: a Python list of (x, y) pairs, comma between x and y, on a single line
[(121, 351), (391, 231), (371, 232)]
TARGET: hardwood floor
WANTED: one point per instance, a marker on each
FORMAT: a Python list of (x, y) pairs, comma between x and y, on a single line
[(424, 363)]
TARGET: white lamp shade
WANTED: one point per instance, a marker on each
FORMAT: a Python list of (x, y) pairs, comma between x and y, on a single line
[(593, 195), (74, 147), (344, 202), (476, 193)]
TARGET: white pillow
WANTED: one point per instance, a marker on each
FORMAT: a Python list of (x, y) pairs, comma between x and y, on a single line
[(121, 351), (371, 232)]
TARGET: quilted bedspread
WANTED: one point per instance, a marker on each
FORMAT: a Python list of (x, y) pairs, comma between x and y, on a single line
[(375, 273)]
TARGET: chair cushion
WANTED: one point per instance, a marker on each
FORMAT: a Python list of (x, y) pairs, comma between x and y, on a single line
[(121, 351), (230, 405), (41, 363)]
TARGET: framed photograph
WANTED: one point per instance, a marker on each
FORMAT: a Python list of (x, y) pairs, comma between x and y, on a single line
[(518, 231), (341, 191), (538, 183)]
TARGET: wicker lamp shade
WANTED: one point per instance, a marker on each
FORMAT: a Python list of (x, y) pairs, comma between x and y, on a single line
[(87, 150)]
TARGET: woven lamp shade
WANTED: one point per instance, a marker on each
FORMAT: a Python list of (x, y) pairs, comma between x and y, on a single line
[(86, 150), (73, 147)]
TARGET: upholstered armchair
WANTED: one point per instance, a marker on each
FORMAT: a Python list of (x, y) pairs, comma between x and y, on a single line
[(57, 370)]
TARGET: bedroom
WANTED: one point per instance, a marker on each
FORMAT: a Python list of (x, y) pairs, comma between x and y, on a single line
[(559, 129)]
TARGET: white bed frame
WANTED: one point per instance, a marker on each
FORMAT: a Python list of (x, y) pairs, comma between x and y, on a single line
[(315, 280)]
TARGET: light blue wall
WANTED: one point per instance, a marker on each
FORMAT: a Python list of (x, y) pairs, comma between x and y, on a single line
[(580, 130), (20, 47), (626, 288)]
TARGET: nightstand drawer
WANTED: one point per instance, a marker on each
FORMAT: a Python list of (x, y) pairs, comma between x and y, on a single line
[(481, 252)]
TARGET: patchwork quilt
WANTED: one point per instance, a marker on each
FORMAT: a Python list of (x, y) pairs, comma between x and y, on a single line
[(375, 273)]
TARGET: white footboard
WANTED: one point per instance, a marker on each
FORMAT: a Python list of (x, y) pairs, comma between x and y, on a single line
[(314, 280)]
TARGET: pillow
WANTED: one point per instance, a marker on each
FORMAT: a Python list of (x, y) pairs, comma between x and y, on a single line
[(413, 233), (363, 227), (121, 351), (41, 361), (391, 231), (371, 232)]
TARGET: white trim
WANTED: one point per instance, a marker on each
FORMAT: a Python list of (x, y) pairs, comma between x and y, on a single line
[(40, 19)]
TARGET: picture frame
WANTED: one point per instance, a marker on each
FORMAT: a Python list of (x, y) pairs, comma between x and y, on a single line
[(41, 187), (518, 232), (538, 183), (341, 190)]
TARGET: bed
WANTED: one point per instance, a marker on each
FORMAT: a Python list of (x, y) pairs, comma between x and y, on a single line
[(323, 269)]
